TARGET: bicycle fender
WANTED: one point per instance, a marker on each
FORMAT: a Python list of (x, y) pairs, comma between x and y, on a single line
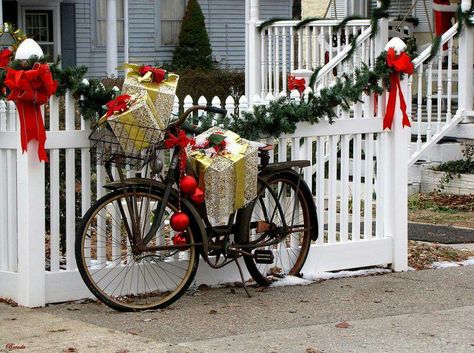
[(197, 225)]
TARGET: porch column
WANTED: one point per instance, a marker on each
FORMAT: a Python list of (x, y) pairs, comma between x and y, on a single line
[(465, 71), (111, 38), (125, 31), (1, 11), (252, 50)]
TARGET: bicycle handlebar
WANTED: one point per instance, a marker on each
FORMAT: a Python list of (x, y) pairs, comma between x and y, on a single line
[(215, 110)]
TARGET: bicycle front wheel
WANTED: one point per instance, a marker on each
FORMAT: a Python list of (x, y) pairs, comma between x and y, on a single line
[(118, 274), (280, 214)]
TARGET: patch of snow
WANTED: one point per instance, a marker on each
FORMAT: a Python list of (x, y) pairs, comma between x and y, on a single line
[(444, 264), (397, 44), (290, 281), (447, 264), (468, 262), (318, 276)]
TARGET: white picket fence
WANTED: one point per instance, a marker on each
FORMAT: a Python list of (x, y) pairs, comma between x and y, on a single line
[(362, 218)]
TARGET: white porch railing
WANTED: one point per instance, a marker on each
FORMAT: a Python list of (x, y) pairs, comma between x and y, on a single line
[(284, 48), (441, 91)]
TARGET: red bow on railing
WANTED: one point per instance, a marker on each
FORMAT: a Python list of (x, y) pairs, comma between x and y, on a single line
[(400, 64), (296, 83), (182, 141), (29, 90), (118, 105), (158, 74)]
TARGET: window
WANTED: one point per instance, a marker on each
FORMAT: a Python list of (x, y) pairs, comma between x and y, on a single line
[(172, 12), (39, 26), (101, 23)]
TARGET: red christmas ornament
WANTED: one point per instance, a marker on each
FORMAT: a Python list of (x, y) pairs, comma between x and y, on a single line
[(179, 221), (188, 185), (179, 239), (198, 196)]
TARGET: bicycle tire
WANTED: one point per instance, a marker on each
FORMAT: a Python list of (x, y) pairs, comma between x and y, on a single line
[(265, 274), (148, 266)]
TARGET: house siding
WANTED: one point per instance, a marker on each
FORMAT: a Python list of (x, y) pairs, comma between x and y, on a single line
[(225, 22)]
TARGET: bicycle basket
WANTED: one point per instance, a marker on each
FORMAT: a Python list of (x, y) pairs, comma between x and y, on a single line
[(132, 144)]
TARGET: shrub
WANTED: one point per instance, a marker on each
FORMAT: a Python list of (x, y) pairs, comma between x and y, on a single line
[(194, 48), (210, 83)]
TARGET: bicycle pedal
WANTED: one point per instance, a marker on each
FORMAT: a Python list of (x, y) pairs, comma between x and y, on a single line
[(263, 256)]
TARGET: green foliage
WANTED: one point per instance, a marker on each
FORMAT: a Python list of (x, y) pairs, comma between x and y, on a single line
[(68, 78), (434, 48), (194, 48), (210, 83), (93, 96), (456, 168)]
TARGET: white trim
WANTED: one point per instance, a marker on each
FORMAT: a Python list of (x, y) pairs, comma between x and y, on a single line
[(444, 8)]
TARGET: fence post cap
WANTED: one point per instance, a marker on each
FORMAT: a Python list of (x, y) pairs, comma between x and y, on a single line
[(397, 44)]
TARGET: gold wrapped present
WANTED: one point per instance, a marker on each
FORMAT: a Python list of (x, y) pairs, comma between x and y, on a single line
[(229, 176), (161, 93), (133, 121)]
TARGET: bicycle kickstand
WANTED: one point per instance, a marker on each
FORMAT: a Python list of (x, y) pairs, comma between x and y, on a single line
[(242, 277)]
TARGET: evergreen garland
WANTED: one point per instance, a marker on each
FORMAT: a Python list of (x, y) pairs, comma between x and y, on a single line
[(68, 78)]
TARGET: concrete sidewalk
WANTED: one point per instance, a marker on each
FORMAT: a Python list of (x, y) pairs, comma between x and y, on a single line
[(424, 311)]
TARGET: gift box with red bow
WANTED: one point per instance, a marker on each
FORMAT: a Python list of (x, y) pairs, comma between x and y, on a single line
[(157, 83), (226, 167), (134, 123)]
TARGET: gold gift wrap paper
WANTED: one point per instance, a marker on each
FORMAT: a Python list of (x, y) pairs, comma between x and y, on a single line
[(162, 94), (137, 127), (229, 181)]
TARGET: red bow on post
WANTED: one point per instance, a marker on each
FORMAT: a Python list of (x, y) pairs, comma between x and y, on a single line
[(181, 141), (400, 64), (5, 56), (157, 73), (29, 90), (296, 83), (118, 105)]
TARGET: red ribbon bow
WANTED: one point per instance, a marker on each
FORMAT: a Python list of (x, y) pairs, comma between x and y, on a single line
[(5, 56), (400, 64), (181, 141), (296, 83), (30, 89), (157, 73), (118, 105)]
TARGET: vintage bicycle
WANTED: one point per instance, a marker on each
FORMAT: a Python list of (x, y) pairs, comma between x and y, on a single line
[(124, 246)]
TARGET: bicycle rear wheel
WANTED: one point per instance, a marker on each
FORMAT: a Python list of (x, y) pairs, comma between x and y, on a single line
[(276, 206), (112, 268)]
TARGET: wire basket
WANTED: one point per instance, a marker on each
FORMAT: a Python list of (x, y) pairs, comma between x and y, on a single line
[(125, 143)]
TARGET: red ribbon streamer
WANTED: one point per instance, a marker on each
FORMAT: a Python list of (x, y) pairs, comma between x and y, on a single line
[(181, 141), (296, 83), (29, 90), (400, 64), (5, 57), (118, 105)]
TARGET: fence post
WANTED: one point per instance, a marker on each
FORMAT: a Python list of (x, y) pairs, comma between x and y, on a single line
[(252, 53), (31, 227), (395, 173), (466, 72)]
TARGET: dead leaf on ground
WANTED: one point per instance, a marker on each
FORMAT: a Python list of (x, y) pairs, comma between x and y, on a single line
[(132, 332), (343, 324), (312, 350), (70, 350), (123, 351), (260, 289), (213, 312), (59, 330)]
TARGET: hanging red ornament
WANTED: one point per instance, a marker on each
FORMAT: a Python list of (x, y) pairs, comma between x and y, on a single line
[(179, 221), (188, 184), (198, 196), (179, 239)]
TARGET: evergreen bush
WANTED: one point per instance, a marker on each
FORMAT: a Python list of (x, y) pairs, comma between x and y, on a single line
[(194, 48)]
